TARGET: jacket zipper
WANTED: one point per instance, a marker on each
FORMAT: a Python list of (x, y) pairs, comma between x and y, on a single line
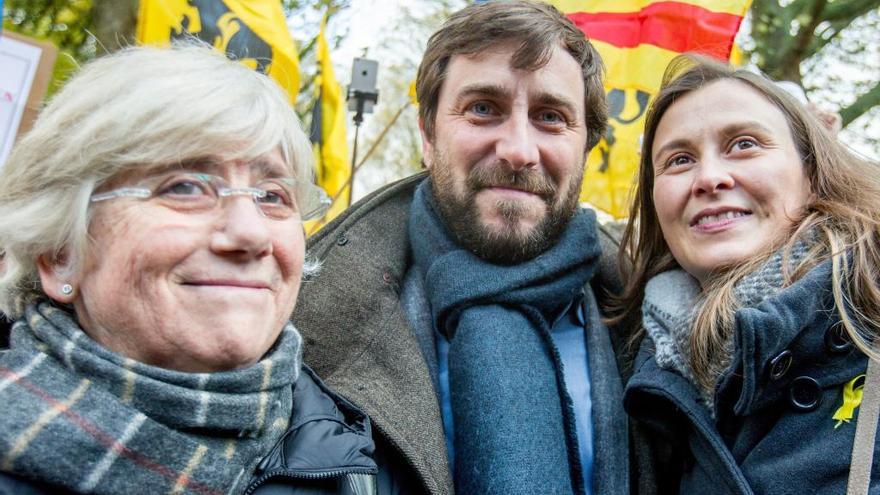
[(284, 473)]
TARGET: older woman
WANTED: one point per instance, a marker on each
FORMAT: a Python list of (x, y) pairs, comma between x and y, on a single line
[(153, 240), (754, 241)]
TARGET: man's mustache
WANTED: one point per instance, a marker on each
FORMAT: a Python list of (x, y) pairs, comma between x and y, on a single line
[(528, 180)]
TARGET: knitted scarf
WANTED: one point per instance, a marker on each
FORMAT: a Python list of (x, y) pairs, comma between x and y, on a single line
[(673, 299), (514, 427), (77, 415)]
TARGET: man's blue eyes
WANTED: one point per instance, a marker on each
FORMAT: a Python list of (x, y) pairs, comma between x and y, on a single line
[(546, 116), (550, 117), (481, 108)]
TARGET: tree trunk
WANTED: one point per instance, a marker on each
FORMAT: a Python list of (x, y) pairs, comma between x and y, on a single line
[(114, 23)]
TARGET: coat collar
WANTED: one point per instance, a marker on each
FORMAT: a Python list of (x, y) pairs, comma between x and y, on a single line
[(794, 320), (357, 337)]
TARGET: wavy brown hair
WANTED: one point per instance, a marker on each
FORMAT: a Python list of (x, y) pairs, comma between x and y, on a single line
[(841, 222), (535, 29)]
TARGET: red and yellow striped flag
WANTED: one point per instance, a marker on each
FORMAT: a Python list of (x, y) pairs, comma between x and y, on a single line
[(637, 39)]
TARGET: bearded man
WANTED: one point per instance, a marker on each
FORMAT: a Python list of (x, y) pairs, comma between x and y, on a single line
[(461, 308)]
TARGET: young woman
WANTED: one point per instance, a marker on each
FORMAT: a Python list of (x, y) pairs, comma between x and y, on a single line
[(754, 242)]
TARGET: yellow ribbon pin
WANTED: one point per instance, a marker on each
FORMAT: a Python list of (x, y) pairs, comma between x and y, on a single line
[(852, 397)]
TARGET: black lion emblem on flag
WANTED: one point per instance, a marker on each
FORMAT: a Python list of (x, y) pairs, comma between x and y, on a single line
[(213, 22)]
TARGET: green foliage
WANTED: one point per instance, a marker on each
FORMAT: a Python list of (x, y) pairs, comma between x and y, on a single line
[(787, 33), (65, 24), (830, 48), (82, 29)]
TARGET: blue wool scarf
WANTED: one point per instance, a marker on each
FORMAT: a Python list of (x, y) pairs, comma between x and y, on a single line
[(514, 428)]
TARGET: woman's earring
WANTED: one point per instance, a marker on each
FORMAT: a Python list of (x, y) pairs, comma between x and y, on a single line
[(67, 289)]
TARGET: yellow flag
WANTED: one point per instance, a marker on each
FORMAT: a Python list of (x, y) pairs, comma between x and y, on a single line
[(413, 97), (328, 133), (252, 31), (737, 57), (637, 39)]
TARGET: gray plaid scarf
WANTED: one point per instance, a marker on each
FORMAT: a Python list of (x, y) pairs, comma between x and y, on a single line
[(77, 415), (672, 300)]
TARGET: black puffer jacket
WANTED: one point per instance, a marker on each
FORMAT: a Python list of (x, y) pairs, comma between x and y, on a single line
[(328, 449)]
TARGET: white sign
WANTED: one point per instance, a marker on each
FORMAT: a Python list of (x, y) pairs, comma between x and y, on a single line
[(18, 66)]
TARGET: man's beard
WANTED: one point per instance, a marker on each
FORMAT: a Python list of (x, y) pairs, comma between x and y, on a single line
[(511, 244)]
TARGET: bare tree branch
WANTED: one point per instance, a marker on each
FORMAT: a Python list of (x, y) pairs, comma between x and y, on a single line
[(847, 10), (802, 39), (862, 104)]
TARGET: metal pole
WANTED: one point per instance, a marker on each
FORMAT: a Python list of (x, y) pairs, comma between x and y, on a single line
[(358, 120)]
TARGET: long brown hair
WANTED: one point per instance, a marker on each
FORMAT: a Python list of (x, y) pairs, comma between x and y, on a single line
[(841, 222)]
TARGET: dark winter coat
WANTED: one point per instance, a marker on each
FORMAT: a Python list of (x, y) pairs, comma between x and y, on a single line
[(774, 431), (328, 448), (360, 341)]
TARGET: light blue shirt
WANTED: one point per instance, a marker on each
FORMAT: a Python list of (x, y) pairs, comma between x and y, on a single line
[(567, 333)]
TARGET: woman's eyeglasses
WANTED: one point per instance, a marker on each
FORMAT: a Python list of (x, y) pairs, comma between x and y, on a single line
[(276, 198)]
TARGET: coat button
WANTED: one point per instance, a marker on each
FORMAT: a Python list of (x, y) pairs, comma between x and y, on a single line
[(836, 340), (342, 240), (780, 364), (805, 393)]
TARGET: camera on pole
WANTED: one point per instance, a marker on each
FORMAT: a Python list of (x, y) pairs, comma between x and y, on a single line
[(362, 95)]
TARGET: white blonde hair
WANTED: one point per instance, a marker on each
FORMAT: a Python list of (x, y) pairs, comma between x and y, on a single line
[(137, 108)]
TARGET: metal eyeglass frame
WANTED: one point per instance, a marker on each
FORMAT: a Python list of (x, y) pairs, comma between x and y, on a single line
[(313, 194)]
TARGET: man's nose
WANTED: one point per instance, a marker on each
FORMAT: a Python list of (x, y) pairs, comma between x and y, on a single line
[(516, 142)]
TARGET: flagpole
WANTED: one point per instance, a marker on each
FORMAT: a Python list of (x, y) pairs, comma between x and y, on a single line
[(358, 120), (366, 157), (361, 98)]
